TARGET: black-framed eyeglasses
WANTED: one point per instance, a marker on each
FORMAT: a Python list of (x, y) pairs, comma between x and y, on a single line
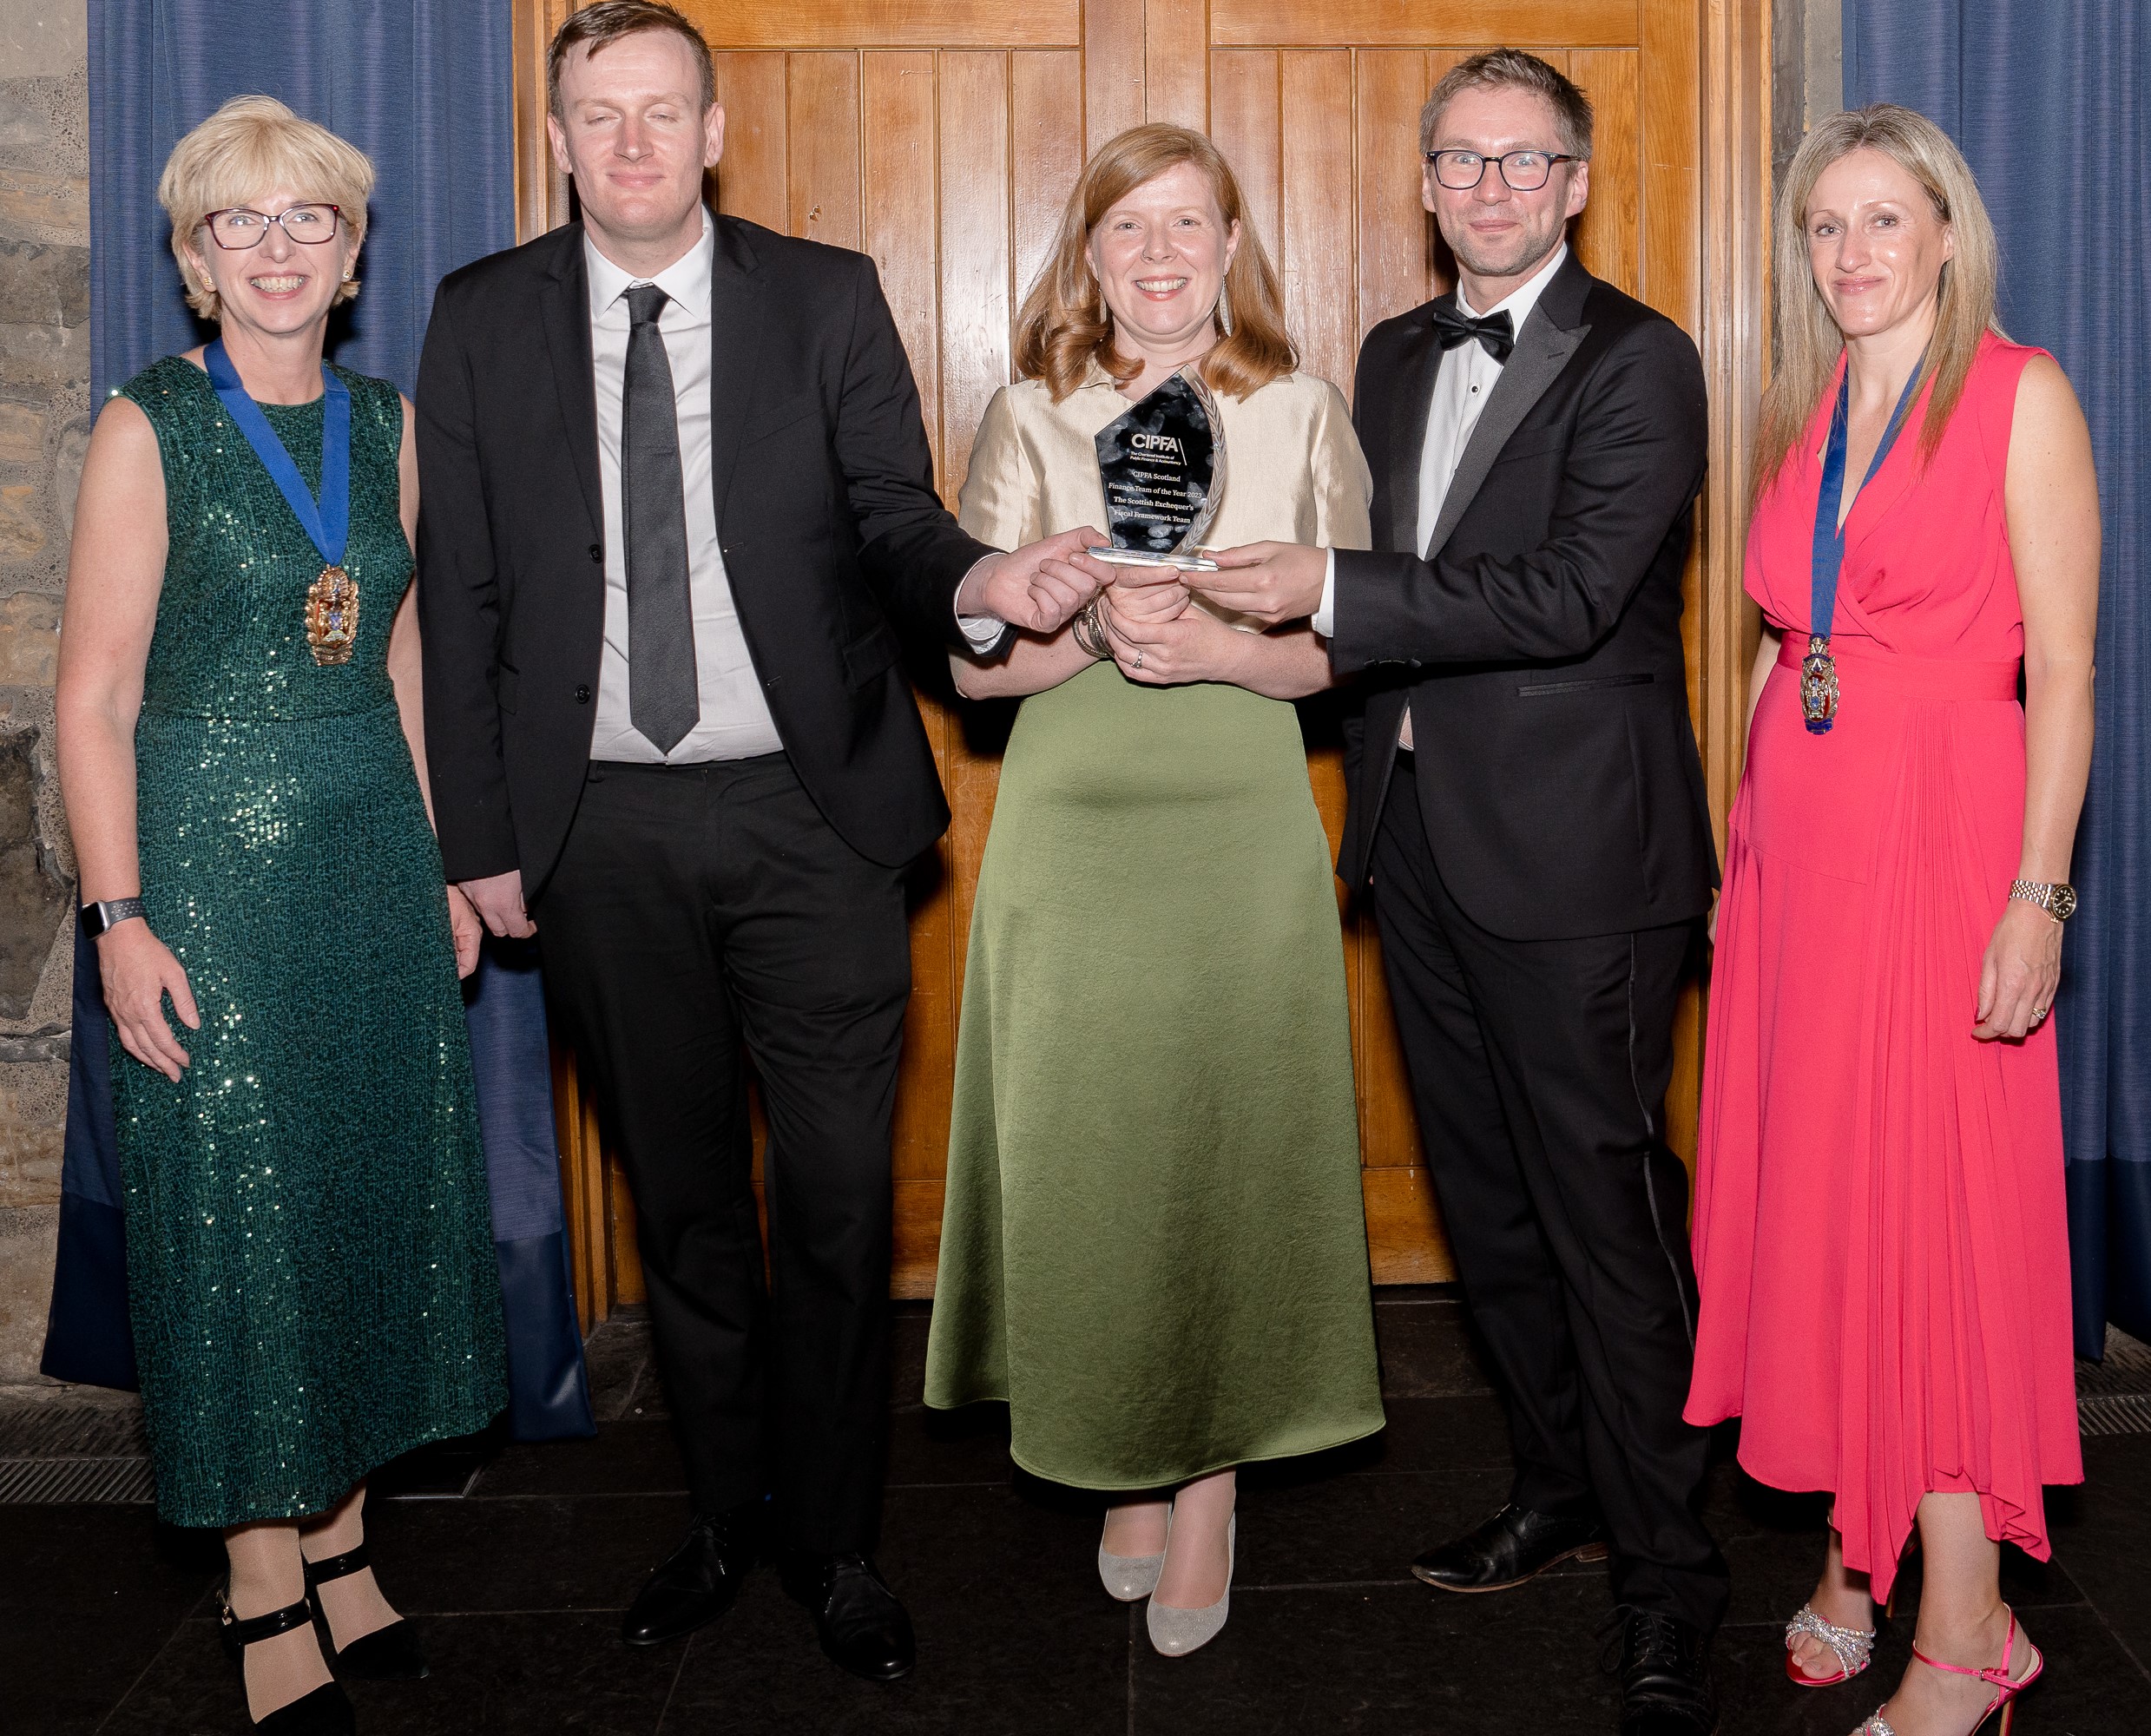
[(1524, 171), (237, 228)]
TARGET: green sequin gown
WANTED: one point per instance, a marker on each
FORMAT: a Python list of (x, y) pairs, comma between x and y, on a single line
[(309, 1241)]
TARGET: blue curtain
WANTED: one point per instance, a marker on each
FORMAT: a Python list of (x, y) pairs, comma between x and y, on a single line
[(2051, 100), (424, 88)]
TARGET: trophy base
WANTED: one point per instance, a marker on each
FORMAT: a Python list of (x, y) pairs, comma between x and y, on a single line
[(1143, 557)]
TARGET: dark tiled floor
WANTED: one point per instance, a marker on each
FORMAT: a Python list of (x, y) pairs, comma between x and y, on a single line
[(516, 1577)]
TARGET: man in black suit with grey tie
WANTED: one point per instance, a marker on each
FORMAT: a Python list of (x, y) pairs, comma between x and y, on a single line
[(1527, 807), (677, 501)]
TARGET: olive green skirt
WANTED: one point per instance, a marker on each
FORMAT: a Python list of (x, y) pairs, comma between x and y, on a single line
[(1153, 1247)]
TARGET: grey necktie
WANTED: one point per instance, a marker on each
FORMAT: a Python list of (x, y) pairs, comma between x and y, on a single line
[(661, 698)]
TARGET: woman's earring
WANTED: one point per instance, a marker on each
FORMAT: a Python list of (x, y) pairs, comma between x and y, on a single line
[(1224, 311)]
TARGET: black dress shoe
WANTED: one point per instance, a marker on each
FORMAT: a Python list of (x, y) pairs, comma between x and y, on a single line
[(390, 1653), (698, 1582), (861, 1624), (326, 1712), (1665, 1676), (1513, 1546)]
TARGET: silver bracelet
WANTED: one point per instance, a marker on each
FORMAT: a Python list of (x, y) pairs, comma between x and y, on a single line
[(1090, 632)]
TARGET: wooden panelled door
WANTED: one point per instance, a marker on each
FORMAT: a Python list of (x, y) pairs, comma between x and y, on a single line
[(943, 139)]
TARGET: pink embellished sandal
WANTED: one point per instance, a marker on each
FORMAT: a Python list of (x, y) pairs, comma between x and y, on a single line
[(2004, 1700), (1854, 1647)]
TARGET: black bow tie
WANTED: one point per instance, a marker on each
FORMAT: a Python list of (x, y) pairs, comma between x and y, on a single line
[(1495, 332)]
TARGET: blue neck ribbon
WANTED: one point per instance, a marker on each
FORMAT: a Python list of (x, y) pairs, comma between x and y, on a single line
[(1829, 547), (327, 523)]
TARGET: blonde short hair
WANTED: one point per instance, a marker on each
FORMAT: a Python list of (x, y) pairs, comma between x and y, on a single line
[(249, 146)]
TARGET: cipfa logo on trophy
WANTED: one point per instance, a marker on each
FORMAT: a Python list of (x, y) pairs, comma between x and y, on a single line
[(1163, 467)]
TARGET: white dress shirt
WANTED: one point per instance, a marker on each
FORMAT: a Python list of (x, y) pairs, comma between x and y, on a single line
[(981, 632), (735, 722), (1465, 381)]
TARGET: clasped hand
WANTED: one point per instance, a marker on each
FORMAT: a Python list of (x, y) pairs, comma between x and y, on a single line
[(2020, 973), (1157, 639), (1039, 586)]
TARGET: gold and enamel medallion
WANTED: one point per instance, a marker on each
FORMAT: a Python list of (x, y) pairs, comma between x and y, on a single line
[(331, 617), (1819, 686)]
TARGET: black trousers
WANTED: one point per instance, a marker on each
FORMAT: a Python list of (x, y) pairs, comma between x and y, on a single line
[(699, 911), (1539, 1071)]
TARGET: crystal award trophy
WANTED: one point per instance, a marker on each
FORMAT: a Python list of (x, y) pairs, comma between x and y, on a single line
[(1163, 467)]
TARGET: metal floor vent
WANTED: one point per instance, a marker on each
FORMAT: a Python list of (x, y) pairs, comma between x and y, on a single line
[(27, 1482), (63, 1430), (2127, 1370), (71, 1449), (2114, 1396), (2124, 1414)]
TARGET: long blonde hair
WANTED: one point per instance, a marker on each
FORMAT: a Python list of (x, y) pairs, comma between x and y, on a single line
[(1065, 323), (1808, 340)]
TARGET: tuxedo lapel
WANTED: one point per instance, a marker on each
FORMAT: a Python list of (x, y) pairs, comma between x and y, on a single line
[(737, 307), (1417, 370), (565, 311), (1549, 337)]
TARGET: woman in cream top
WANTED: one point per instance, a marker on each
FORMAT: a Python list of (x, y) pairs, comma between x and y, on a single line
[(1295, 472), (1153, 1247)]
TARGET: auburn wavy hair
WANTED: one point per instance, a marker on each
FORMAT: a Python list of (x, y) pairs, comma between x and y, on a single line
[(1065, 323)]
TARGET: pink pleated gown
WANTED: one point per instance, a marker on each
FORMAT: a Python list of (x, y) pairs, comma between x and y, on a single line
[(1880, 1233)]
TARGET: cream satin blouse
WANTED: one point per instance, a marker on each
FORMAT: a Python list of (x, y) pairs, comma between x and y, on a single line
[(1294, 473)]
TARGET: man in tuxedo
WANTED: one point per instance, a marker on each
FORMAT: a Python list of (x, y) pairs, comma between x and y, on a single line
[(1527, 806), (677, 500)]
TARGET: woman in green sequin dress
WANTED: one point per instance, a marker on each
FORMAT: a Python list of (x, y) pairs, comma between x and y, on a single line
[(312, 1277)]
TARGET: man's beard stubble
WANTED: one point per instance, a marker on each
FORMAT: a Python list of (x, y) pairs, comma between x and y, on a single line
[(1530, 252)]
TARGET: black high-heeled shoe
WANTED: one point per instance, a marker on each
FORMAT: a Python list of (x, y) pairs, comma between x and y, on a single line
[(326, 1712), (390, 1653)]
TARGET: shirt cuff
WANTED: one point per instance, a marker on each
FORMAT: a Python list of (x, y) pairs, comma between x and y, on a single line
[(981, 632), (1325, 620)]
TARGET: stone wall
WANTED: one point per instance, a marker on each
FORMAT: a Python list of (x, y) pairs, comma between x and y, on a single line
[(1807, 72), (44, 426)]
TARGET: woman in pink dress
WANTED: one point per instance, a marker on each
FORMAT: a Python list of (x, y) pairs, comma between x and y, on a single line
[(1880, 1229)]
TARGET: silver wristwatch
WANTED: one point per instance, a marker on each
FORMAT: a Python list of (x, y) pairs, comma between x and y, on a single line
[(2056, 897)]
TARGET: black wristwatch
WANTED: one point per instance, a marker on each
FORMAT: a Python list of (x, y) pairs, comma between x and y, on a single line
[(98, 917)]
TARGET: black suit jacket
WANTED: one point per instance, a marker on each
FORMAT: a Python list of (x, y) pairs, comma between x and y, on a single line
[(824, 492), (1539, 644)]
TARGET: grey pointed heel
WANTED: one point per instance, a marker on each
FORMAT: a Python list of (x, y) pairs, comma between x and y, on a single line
[(1178, 1631)]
